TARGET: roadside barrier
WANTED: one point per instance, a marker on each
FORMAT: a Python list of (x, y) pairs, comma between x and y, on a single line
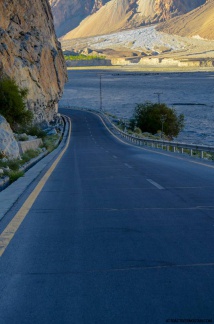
[(201, 151)]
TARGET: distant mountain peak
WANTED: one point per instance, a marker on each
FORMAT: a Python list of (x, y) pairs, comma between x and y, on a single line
[(83, 18)]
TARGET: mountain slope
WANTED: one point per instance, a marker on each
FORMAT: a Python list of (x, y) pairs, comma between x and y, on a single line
[(122, 14), (199, 22), (69, 13)]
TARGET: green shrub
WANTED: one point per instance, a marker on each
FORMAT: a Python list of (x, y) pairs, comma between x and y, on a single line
[(23, 137), (29, 154), (149, 118), (35, 130), (12, 104), (50, 142), (83, 57), (14, 175), (13, 164)]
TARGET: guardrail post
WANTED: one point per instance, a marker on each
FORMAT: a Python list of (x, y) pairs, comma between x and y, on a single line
[(167, 147), (202, 154), (174, 149), (190, 152), (182, 150)]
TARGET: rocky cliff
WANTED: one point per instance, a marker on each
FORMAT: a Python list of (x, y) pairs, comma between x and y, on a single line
[(69, 13), (31, 54), (198, 23), (122, 14)]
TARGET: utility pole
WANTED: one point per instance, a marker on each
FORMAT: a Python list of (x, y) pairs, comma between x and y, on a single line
[(158, 94), (101, 94)]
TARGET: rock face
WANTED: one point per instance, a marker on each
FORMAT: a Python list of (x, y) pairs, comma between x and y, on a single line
[(69, 13), (198, 23), (122, 14), (8, 144), (31, 54)]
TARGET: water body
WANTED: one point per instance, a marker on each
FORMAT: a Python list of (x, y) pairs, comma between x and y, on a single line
[(190, 93)]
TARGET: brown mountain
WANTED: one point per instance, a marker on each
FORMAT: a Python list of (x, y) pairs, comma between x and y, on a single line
[(69, 13), (122, 14), (199, 22), (31, 54)]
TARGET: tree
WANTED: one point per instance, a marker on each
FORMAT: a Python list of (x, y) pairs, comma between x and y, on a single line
[(151, 118), (12, 103)]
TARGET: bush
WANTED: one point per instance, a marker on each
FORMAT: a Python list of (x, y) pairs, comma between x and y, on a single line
[(51, 142), (14, 175), (29, 154), (35, 130), (151, 117), (12, 104)]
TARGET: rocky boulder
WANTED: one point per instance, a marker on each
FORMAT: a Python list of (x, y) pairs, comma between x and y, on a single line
[(8, 145)]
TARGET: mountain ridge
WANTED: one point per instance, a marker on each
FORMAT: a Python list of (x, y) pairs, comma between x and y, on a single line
[(115, 15), (69, 14), (197, 23)]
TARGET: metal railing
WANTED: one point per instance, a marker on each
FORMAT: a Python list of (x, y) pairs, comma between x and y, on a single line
[(200, 151), (171, 146)]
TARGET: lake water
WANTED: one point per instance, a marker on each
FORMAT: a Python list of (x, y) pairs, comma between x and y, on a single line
[(190, 93)]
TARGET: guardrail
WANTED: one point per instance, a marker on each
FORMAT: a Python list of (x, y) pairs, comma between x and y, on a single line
[(170, 146), (178, 147)]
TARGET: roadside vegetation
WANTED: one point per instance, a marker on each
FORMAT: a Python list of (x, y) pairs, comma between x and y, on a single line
[(156, 118), (13, 109), (12, 104), (83, 57), (12, 167)]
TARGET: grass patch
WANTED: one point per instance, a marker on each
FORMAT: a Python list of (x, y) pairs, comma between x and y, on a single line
[(15, 164), (33, 130), (14, 175), (82, 57), (12, 164), (51, 142), (28, 155)]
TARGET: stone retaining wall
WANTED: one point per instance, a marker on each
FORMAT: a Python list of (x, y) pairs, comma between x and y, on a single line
[(29, 145)]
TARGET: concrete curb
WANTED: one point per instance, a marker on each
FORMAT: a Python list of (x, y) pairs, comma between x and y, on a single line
[(10, 195)]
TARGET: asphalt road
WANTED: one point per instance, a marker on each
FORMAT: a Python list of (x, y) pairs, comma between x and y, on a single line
[(117, 235)]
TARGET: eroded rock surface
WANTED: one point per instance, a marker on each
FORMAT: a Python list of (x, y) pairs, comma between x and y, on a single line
[(8, 144), (31, 54)]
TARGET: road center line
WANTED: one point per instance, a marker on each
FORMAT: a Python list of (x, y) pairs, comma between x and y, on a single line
[(155, 184), (13, 226)]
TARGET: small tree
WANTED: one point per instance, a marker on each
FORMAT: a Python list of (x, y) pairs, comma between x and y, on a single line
[(149, 118), (12, 104)]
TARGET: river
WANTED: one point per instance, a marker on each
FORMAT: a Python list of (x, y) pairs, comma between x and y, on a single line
[(189, 93)]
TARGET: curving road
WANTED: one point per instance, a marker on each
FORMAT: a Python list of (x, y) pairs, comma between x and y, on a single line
[(118, 235)]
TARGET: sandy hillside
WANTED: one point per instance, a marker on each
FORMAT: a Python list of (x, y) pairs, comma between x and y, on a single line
[(197, 23), (125, 14), (144, 40)]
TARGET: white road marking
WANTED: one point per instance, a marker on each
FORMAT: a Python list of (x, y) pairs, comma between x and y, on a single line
[(155, 184), (114, 156)]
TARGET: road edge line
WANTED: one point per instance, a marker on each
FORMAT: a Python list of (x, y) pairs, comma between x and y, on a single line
[(11, 229)]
